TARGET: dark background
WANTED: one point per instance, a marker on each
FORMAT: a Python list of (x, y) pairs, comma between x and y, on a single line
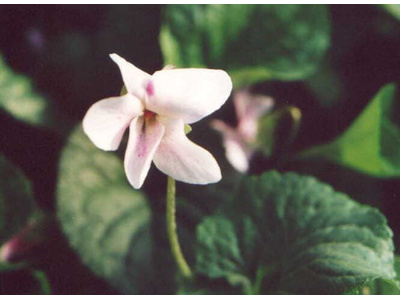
[(64, 50)]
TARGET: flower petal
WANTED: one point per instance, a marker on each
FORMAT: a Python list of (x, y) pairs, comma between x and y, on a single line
[(188, 94), (249, 108), (106, 120), (144, 138), (183, 160), (236, 150), (134, 79)]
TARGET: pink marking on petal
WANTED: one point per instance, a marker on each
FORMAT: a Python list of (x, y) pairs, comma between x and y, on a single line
[(143, 137), (150, 88), (142, 146)]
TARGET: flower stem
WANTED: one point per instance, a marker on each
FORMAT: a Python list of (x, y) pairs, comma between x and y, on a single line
[(172, 233)]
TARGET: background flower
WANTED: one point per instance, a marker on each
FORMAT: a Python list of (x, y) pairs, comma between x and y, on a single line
[(240, 142)]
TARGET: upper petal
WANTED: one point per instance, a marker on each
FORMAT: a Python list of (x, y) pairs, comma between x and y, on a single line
[(183, 160), (134, 79), (188, 94), (107, 119), (249, 108), (144, 138)]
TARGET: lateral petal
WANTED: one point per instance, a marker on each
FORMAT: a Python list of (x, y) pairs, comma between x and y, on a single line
[(134, 79), (144, 138), (182, 159), (106, 120), (187, 94)]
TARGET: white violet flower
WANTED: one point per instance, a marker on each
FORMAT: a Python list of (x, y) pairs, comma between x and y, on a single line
[(156, 109), (240, 142)]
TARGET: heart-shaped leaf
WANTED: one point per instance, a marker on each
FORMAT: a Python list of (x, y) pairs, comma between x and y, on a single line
[(293, 234), (104, 218)]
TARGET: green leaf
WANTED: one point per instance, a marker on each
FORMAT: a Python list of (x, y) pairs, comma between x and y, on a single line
[(371, 144), (287, 233), (383, 286), (252, 42), (18, 98), (106, 221), (16, 200)]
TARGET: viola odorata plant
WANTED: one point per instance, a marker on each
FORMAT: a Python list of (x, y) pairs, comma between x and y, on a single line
[(156, 108)]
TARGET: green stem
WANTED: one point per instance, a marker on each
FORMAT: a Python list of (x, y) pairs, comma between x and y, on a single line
[(257, 285), (172, 233)]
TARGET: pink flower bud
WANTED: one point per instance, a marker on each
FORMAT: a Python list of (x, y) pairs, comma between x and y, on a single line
[(18, 247)]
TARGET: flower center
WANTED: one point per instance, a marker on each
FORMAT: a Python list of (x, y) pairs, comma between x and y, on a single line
[(148, 115)]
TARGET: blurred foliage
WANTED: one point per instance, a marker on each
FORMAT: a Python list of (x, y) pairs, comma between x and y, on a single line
[(371, 144), (394, 9), (278, 129), (292, 234), (105, 220), (252, 42), (18, 99), (61, 47), (16, 200), (326, 84)]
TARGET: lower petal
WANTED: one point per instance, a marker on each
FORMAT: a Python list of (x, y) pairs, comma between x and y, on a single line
[(237, 154), (144, 138), (236, 150), (183, 160)]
